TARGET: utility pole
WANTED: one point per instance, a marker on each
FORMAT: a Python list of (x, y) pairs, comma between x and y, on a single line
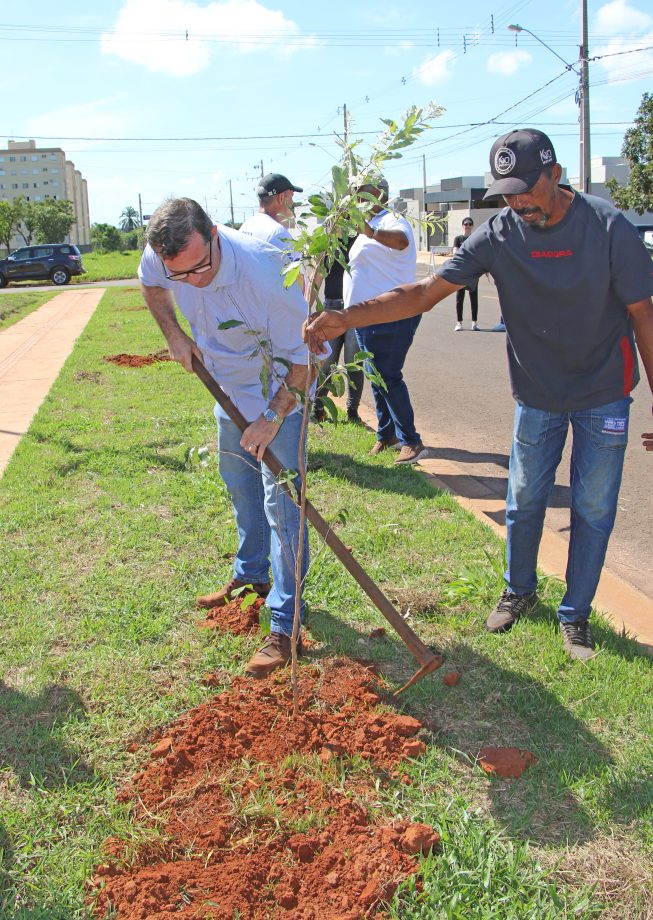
[(231, 203), (345, 116), (585, 156), (262, 170), (424, 230)]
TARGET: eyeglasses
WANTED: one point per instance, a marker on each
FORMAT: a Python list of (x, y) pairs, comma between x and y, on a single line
[(198, 270), (467, 224)]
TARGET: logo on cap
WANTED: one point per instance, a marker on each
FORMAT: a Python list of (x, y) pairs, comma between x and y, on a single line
[(504, 161), (546, 156)]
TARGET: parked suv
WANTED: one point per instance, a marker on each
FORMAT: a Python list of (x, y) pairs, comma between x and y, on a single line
[(56, 261)]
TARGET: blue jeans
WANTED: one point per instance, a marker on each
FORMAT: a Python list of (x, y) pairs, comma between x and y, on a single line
[(599, 443), (266, 518), (347, 345), (389, 343)]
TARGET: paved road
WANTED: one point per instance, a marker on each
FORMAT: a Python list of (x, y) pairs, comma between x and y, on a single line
[(464, 410)]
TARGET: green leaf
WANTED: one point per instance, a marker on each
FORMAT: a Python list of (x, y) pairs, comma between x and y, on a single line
[(282, 361), (292, 274), (337, 383), (339, 177), (230, 324), (264, 377), (329, 405)]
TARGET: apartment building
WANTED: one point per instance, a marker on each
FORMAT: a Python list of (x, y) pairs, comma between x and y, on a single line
[(39, 173)]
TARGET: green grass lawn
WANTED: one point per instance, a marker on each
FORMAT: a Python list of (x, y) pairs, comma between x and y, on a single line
[(14, 307), (107, 266), (109, 527)]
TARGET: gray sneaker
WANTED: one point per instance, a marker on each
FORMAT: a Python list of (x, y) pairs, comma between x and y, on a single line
[(577, 640), (509, 609)]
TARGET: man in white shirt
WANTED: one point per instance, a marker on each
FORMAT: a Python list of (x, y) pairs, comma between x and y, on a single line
[(230, 289), (382, 258), (275, 212)]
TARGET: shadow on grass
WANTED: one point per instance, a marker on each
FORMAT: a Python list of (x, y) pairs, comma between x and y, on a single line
[(151, 454), (396, 480), (27, 737), (494, 705)]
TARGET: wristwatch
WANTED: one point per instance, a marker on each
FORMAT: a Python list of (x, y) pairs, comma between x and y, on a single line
[(375, 232), (271, 416)]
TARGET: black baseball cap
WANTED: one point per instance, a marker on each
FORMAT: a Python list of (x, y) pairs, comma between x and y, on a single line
[(517, 160), (274, 184)]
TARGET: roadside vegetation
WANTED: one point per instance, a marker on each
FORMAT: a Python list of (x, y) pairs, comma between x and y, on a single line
[(113, 517), (109, 266), (14, 307)]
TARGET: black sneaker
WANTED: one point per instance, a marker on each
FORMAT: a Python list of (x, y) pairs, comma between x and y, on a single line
[(577, 640), (353, 417), (508, 610)]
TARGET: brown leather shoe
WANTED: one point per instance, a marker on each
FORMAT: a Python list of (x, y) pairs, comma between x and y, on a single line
[(383, 445), (227, 593), (410, 453), (274, 653)]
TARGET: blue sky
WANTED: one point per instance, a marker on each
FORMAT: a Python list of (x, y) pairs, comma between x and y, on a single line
[(180, 96)]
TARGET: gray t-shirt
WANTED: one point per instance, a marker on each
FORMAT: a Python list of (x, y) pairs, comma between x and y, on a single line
[(563, 292)]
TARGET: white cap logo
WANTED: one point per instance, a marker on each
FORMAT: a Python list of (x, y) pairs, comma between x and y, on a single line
[(504, 161), (546, 156)]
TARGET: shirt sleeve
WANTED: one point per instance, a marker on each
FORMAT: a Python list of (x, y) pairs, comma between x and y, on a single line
[(150, 270), (473, 259), (631, 267)]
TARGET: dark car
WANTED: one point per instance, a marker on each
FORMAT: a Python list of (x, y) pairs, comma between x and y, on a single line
[(56, 261)]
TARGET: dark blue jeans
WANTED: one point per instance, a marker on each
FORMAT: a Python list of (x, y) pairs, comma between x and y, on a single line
[(389, 343), (597, 459)]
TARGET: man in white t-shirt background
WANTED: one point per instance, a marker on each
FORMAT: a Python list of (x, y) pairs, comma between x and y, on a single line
[(383, 257), (275, 212)]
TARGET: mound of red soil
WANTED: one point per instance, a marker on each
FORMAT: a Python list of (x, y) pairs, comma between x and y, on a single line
[(260, 815), (234, 617), (123, 360), (507, 762)]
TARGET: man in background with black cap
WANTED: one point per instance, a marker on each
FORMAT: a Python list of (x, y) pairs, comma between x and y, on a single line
[(574, 283), (275, 212)]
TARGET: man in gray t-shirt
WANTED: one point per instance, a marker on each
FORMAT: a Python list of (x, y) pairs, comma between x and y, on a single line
[(575, 285)]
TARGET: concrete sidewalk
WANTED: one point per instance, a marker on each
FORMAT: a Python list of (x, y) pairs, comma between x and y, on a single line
[(32, 352)]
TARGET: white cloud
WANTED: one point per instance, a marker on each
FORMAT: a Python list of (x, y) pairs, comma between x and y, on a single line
[(100, 118), (436, 69), (180, 36), (217, 177), (618, 16), (507, 63), (633, 29), (399, 48)]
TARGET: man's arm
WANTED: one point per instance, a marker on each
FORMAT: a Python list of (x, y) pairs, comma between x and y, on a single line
[(393, 239), (260, 434), (641, 314), (400, 303), (162, 307)]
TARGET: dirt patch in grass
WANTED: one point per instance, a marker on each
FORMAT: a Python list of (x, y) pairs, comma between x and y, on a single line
[(92, 376), (262, 814), (234, 618), (124, 360)]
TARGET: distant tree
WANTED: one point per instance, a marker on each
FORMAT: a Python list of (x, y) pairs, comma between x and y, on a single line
[(53, 219), (10, 219), (129, 219), (106, 238), (637, 148), (26, 214)]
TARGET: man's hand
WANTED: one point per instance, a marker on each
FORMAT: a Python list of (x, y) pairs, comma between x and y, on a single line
[(182, 348), (258, 436), (321, 327)]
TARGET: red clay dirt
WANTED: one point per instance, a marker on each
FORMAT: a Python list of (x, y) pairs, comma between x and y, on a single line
[(123, 360), (263, 815), (506, 762), (234, 617)]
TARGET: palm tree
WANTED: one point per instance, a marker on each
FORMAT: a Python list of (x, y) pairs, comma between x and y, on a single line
[(129, 219)]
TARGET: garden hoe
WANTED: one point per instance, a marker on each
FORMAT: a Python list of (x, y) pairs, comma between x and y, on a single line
[(428, 661)]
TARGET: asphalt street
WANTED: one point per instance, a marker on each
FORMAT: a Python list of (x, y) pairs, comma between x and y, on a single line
[(459, 387)]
